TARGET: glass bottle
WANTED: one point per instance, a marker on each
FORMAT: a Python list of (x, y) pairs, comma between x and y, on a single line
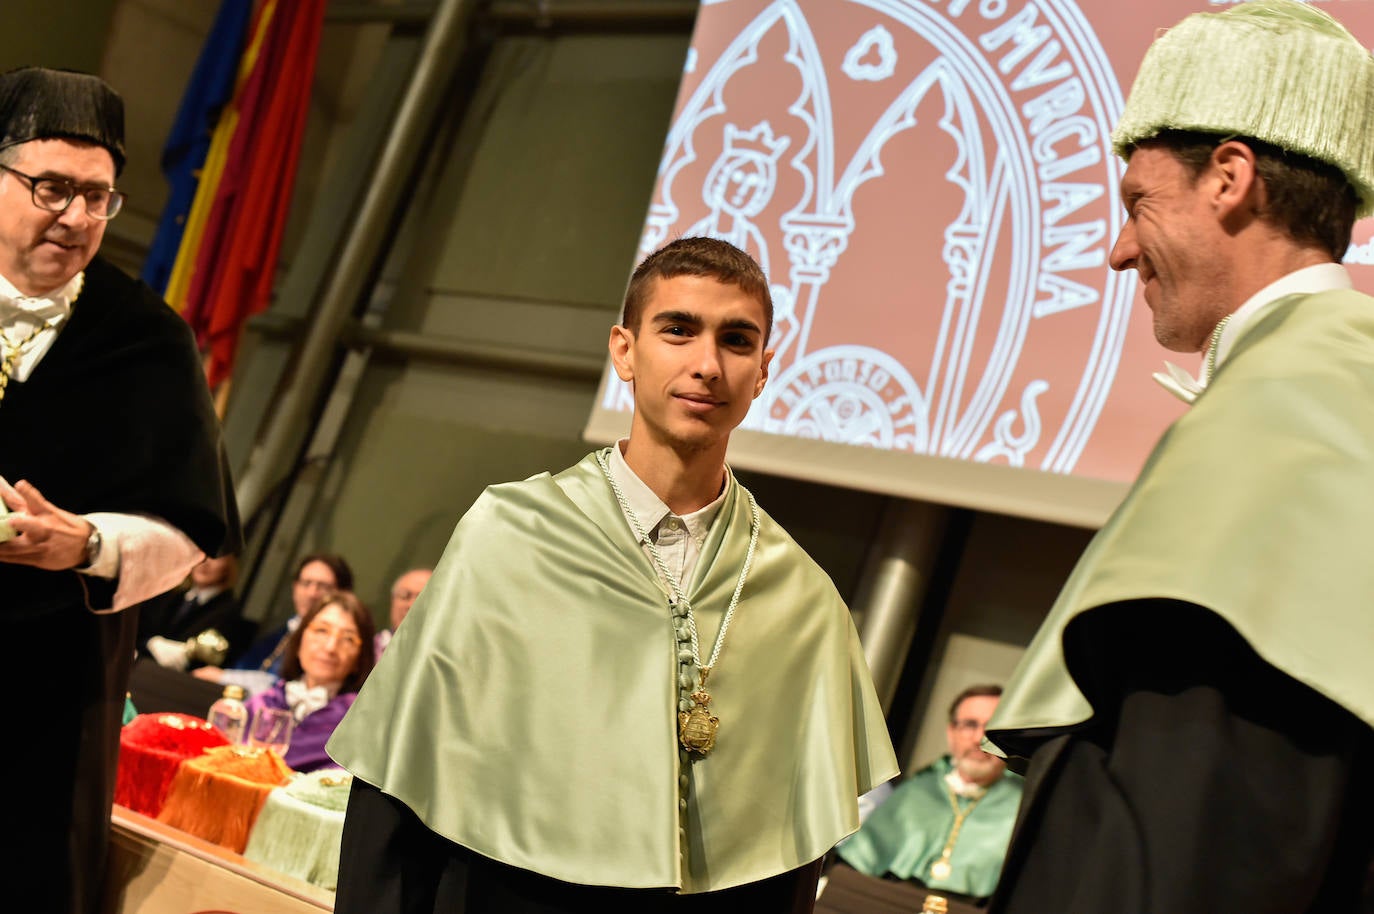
[(229, 715)]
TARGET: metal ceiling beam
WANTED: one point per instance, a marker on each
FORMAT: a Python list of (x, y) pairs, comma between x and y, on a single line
[(525, 14), (362, 250)]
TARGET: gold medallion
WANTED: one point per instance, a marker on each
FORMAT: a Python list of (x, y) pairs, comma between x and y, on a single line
[(697, 727), (940, 869)]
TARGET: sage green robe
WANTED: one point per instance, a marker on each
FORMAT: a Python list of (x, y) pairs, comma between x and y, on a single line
[(1257, 505), (907, 833), (527, 709)]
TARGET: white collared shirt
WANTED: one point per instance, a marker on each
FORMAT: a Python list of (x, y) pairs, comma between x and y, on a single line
[(1322, 277), (678, 537), (203, 595)]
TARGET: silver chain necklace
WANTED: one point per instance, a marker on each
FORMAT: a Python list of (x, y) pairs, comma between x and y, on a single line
[(1212, 349), (696, 725)]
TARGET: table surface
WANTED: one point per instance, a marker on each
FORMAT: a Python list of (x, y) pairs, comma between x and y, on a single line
[(847, 891), (155, 868)]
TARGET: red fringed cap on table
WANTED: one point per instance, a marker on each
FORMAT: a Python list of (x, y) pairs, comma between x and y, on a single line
[(151, 748)]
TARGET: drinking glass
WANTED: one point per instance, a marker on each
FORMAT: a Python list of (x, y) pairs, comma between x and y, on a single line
[(271, 729)]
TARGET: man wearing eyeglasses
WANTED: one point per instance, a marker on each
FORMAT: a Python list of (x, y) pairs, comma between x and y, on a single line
[(948, 825), (110, 441)]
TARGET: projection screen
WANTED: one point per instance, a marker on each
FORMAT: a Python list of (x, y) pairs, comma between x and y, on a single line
[(930, 188)]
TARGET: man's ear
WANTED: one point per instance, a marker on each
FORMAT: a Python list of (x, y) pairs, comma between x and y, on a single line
[(763, 372), (621, 346), (1237, 190)]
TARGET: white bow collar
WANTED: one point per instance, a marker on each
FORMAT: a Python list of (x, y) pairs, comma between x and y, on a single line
[(49, 308), (304, 701), (960, 787)]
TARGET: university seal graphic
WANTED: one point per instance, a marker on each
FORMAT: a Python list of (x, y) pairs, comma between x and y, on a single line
[(930, 188)]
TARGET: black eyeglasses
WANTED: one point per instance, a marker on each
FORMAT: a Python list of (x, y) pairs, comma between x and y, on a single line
[(56, 194)]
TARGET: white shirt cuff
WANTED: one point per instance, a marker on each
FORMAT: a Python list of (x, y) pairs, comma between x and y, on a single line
[(148, 555), (251, 681)]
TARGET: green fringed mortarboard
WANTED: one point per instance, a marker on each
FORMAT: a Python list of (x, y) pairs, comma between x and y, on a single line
[(41, 104), (1276, 70)]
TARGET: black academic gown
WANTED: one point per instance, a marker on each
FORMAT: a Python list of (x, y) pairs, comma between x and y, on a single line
[(1207, 781), (116, 417), (391, 861), (264, 653)]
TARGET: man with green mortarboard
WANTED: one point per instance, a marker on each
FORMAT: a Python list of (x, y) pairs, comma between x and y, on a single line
[(112, 479), (1196, 711), (625, 688)]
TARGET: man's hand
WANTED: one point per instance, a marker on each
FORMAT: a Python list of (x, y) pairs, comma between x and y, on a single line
[(45, 535)]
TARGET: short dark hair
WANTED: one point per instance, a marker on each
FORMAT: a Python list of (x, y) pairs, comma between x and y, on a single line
[(720, 260), (367, 630), (1312, 201), (231, 560), (343, 574), (973, 691)]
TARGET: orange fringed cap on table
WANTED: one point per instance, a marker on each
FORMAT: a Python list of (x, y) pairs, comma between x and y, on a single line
[(218, 796), (151, 749)]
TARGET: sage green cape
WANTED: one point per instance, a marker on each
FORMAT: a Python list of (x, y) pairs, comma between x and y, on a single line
[(527, 709), (907, 833), (1256, 504)]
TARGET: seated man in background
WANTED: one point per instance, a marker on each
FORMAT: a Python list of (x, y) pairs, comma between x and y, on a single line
[(948, 825), (168, 622), (404, 592)]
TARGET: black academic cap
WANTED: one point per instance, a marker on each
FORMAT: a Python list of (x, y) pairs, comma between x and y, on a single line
[(41, 104)]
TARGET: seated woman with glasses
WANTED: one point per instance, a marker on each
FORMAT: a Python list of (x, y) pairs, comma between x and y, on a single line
[(317, 576), (326, 660)]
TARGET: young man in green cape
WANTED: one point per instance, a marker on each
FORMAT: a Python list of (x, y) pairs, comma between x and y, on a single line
[(625, 687), (1197, 708)]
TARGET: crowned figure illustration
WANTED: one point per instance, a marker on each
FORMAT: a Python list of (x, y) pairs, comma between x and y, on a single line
[(739, 186)]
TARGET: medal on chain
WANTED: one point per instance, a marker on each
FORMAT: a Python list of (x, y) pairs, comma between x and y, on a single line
[(696, 729), (940, 870), (697, 726)]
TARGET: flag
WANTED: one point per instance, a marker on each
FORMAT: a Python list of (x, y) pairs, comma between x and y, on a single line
[(209, 92), (227, 260)]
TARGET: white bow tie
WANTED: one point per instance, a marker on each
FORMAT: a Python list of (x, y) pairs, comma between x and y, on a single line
[(305, 701), (56, 304), (963, 788), (1183, 385), (43, 309), (1180, 383)]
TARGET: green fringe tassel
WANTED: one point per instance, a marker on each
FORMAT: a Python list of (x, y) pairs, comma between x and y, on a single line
[(300, 827), (1276, 70)]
